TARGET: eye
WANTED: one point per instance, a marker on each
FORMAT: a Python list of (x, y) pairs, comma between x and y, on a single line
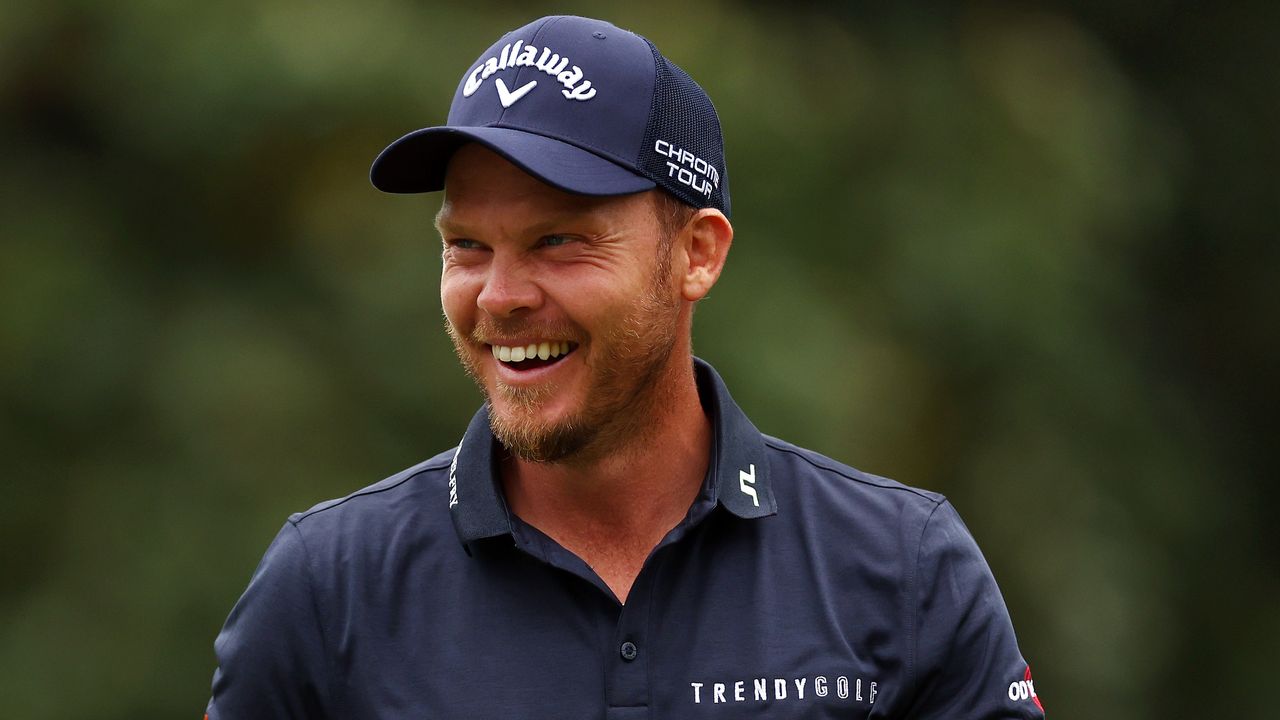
[(556, 240), (462, 244)]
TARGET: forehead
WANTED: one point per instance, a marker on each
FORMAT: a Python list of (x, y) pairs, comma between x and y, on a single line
[(481, 185)]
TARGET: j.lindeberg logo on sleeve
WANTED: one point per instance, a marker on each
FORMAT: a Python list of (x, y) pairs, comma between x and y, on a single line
[(517, 55)]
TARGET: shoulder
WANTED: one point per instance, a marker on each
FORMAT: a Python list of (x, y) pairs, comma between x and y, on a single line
[(847, 506), (415, 498), (796, 467)]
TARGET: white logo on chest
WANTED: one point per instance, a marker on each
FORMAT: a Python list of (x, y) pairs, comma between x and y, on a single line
[(765, 689), (515, 56), (747, 482)]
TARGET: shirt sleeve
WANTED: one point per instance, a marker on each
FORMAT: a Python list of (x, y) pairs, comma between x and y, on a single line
[(271, 651), (966, 663)]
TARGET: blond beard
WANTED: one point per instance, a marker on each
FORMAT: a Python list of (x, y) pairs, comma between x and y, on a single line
[(625, 384)]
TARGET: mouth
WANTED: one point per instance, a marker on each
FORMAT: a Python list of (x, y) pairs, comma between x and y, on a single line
[(534, 355)]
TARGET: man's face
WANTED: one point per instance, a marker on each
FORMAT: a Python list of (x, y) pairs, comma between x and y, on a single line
[(530, 269)]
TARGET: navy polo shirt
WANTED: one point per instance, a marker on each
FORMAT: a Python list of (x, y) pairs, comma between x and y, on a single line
[(796, 587)]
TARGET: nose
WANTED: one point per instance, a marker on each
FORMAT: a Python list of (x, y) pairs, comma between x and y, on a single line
[(509, 289)]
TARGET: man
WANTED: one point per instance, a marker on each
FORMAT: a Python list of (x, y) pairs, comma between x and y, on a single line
[(612, 537)]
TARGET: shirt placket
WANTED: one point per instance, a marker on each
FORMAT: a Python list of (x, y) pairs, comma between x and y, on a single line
[(628, 680), (627, 662), (626, 651)]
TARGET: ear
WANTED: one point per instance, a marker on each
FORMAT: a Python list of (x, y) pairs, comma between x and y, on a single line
[(705, 241)]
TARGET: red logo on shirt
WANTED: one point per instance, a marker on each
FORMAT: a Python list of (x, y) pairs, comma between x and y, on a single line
[(1034, 697)]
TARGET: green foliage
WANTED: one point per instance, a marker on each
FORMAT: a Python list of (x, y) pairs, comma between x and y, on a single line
[(1023, 258)]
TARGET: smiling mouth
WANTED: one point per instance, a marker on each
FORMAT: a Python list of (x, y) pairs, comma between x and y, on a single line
[(533, 355)]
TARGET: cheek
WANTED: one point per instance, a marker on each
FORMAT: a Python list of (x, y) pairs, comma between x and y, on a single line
[(457, 299)]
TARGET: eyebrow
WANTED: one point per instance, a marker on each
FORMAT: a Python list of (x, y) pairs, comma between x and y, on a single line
[(445, 220), (441, 217)]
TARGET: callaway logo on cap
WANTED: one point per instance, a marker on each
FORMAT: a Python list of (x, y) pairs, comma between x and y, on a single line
[(582, 105)]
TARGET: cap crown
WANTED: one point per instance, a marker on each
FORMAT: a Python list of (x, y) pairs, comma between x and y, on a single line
[(588, 84), (584, 106)]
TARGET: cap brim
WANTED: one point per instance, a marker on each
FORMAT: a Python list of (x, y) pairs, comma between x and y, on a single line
[(417, 162)]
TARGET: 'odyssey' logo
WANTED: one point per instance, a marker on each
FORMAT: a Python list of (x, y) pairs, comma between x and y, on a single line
[(515, 56), (1025, 689)]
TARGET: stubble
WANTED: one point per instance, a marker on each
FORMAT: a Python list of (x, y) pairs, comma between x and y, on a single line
[(624, 379)]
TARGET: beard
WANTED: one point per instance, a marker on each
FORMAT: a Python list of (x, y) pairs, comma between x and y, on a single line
[(623, 379)]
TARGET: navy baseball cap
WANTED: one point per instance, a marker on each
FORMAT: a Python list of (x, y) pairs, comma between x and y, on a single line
[(582, 105)]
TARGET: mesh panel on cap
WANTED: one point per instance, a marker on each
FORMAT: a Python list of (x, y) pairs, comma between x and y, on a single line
[(683, 117)]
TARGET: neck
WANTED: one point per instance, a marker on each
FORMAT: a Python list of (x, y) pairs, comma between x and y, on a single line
[(613, 507), (663, 460)]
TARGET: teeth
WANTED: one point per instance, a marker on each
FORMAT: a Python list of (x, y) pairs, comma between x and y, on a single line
[(544, 350)]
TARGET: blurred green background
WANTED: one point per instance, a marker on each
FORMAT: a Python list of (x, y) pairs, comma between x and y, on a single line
[(1024, 256)]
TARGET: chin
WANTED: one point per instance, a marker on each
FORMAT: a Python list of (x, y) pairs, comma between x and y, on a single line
[(534, 407), (535, 437)]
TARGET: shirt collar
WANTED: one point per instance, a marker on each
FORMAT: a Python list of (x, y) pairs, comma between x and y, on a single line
[(738, 474)]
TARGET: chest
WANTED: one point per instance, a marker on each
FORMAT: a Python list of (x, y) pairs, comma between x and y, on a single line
[(616, 564), (731, 631)]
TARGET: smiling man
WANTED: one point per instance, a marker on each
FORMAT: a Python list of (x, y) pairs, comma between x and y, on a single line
[(612, 537)]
